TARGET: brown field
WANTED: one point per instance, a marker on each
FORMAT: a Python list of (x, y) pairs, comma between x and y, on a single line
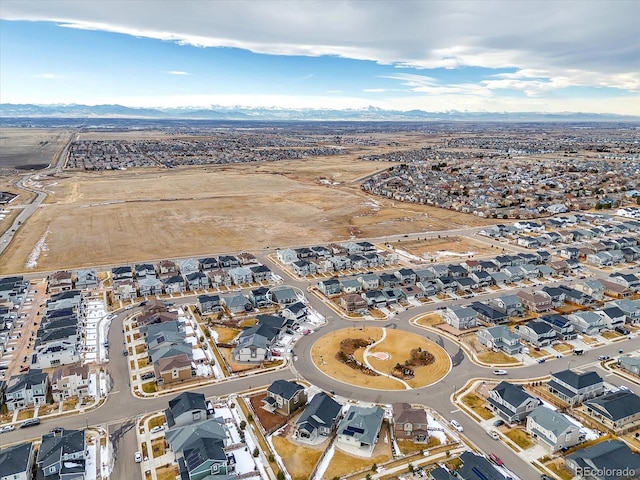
[(429, 320), (397, 345), (447, 248), (497, 358), (104, 218), (269, 421), (300, 460), (27, 148)]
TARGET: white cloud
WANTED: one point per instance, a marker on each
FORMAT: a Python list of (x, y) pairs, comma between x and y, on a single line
[(374, 90), (592, 43), (177, 72)]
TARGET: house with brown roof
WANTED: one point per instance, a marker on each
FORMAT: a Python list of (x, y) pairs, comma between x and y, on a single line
[(60, 281), (353, 302), (410, 423), (536, 302), (174, 369), (70, 381)]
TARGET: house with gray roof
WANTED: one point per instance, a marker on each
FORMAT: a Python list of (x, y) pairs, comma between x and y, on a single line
[(574, 388), (188, 265), (631, 309), (586, 322), (630, 364), (209, 304), (460, 317), (553, 429), (329, 287), (509, 304), (358, 430), (180, 437), (537, 333), (284, 397), (477, 467), (369, 281), (613, 317), (86, 278), (319, 418), (185, 409), (149, 286), (237, 303), (488, 314), (619, 411), (62, 455), (283, 295), (441, 473), (594, 288), (240, 275), (17, 461), (27, 389), (196, 280), (500, 338), (511, 402), (608, 460)]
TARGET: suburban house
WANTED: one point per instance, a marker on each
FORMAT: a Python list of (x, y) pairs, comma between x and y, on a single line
[(618, 411), (561, 325), (241, 275), (196, 280), (630, 364), (460, 317), (488, 314), (369, 281), (537, 333), (188, 265), (149, 286), (27, 389), (631, 309), (219, 278), (260, 297), (319, 418), (302, 268), (358, 430), (296, 312), (207, 264), (173, 369), (260, 273), (62, 455), (186, 409), (509, 304), (350, 285), (284, 397), (613, 317), (167, 267), (70, 381), (574, 388), (500, 338), (175, 284), (205, 458), (17, 461), (254, 343), (330, 287), (609, 456), (536, 302), (353, 302), (511, 402), (477, 467), (145, 270), (287, 255), (237, 303), (209, 304), (86, 278), (594, 288), (121, 273), (586, 322), (553, 429), (60, 281), (410, 423)]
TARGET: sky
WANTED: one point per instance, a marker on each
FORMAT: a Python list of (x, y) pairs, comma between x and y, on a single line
[(495, 56)]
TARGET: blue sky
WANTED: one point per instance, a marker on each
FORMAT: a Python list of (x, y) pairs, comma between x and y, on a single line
[(434, 56)]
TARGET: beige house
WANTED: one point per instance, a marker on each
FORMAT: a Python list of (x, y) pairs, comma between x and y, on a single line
[(172, 370)]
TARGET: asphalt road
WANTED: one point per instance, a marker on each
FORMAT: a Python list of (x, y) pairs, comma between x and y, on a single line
[(122, 408)]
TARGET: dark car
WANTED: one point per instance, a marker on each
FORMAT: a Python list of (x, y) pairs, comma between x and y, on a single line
[(542, 360), (125, 352), (498, 423)]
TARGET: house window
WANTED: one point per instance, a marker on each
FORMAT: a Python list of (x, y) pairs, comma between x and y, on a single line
[(215, 468), (175, 373), (196, 416)]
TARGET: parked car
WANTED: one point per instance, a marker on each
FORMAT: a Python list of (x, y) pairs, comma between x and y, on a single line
[(156, 429), (7, 428), (30, 422), (125, 352), (138, 456), (457, 426), (604, 357), (622, 330), (495, 459), (493, 434), (542, 360), (498, 423), (499, 372)]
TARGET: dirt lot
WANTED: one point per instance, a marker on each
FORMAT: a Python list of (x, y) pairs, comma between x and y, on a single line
[(447, 248), (103, 218), (30, 148), (397, 345), (269, 421), (299, 459)]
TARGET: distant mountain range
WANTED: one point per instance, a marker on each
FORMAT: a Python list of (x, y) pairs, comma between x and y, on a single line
[(216, 112)]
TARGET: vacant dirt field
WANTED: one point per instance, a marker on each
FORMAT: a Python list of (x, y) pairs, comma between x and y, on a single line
[(30, 148), (104, 218), (397, 345), (446, 248)]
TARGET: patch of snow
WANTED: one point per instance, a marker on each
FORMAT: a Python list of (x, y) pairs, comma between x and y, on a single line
[(40, 247), (90, 472), (432, 422), (326, 460)]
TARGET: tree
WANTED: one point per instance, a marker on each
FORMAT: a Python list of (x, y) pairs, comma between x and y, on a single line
[(243, 425), (280, 475), (256, 452)]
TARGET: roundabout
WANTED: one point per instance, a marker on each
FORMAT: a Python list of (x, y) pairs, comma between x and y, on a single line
[(380, 358)]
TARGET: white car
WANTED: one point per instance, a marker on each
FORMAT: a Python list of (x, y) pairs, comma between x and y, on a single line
[(457, 426), (156, 429), (493, 434), (499, 372), (138, 456), (7, 428)]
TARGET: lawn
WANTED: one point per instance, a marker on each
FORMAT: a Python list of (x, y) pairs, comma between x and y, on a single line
[(300, 460), (610, 335), (520, 438), (557, 467), (69, 404), (408, 447), (156, 421), (158, 447), (477, 404), (497, 358), (49, 408), (24, 414), (167, 472), (563, 347), (149, 387), (225, 334), (343, 464), (429, 320)]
